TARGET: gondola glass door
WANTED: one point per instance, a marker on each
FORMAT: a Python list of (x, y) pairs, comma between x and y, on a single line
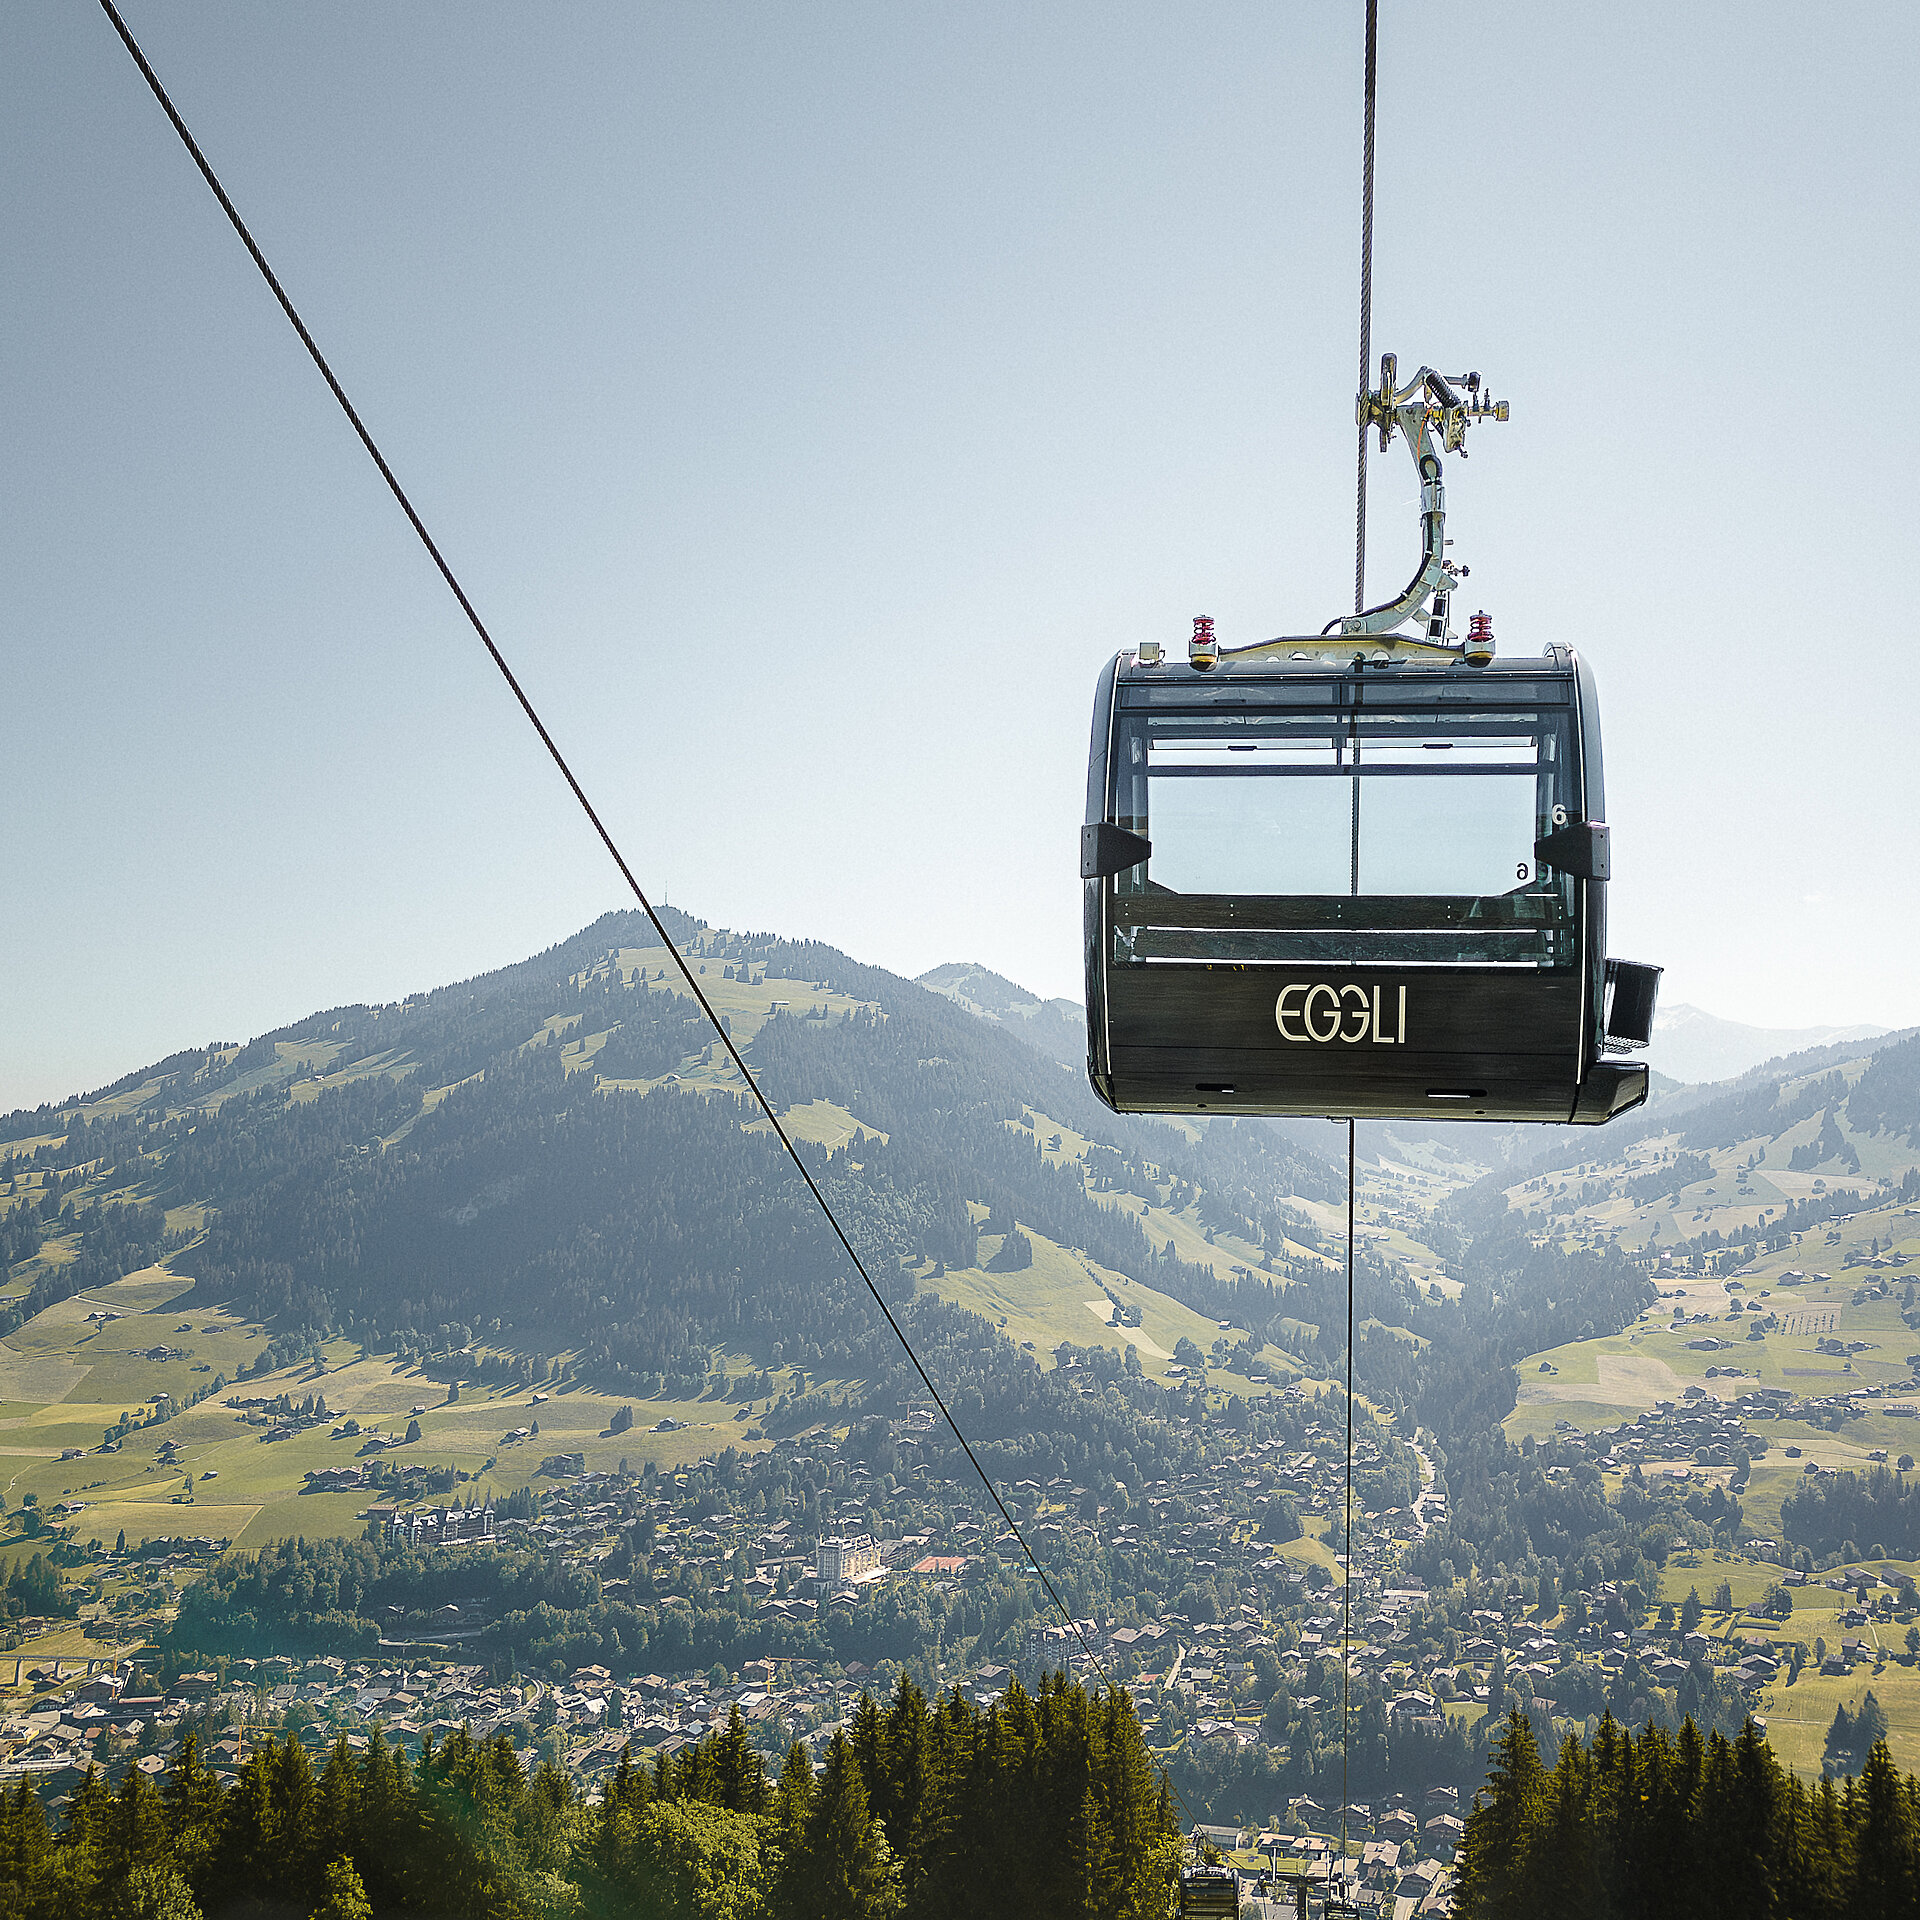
[(1361, 838)]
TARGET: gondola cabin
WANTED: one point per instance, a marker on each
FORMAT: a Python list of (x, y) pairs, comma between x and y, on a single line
[(1209, 1893), (1358, 889)]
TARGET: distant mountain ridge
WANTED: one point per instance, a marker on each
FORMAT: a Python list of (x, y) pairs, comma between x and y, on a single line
[(1057, 1027), (1692, 1045), (1795, 1137)]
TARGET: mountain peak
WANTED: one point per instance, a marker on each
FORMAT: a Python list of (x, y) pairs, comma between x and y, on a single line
[(1057, 1027), (979, 987)]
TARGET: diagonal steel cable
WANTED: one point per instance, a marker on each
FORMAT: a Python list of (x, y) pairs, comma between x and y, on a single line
[(459, 593)]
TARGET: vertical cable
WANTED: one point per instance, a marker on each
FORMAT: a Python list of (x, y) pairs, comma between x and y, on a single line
[(1366, 306), (1346, 1589), (1353, 850), (1359, 605)]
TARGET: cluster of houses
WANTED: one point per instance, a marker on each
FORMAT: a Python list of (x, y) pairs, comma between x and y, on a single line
[(91, 1712), (108, 1720), (434, 1526), (1192, 1677), (1680, 1440), (1399, 1854), (793, 1573)]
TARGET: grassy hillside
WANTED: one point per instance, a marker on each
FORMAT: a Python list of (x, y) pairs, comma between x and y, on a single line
[(69, 1381), (551, 1168), (1780, 1218)]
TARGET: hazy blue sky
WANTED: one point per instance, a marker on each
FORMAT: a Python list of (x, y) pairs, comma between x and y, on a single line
[(814, 396)]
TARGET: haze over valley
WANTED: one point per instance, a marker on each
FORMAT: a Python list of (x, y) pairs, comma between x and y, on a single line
[(519, 1246)]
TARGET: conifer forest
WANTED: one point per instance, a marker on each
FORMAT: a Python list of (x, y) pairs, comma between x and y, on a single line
[(1656, 1825), (1046, 1804)]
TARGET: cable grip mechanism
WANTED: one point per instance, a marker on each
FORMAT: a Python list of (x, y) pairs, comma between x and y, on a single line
[(1432, 413)]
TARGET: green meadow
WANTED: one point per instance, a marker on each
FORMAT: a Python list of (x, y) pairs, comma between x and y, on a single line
[(67, 1378), (1813, 1295)]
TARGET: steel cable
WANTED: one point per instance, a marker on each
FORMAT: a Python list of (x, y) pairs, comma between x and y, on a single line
[(1366, 305), (1346, 1586), (586, 806), (1359, 606)]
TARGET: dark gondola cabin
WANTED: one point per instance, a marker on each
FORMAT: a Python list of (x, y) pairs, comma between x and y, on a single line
[(1209, 1893), (1356, 889)]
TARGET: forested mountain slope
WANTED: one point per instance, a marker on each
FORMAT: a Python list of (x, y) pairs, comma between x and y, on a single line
[(557, 1149), (1718, 1174), (549, 1175), (1057, 1027)]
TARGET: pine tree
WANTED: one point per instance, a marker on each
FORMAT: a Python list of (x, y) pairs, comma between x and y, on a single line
[(630, 1786), (296, 1801), (740, 1777), (1143, 1837), (136, 1826), (1832, 1850), (337, 1813), (1558, 1864), (1656, 1851), (843, 1870), (1713, 1829), (190, 1793), (389, 1821), (867, 1736), (905, 1805), (1494, 1866), (26, 1848), (1616, 1797), (1886, 1865), (626, 1796), (245, 1861), (1869, 1724), (991, 1849), (344, 1897), (697, 1776), (1748, 1825), (1712, 1864), (1063, 1875), (793, 1800), (84, 1840)]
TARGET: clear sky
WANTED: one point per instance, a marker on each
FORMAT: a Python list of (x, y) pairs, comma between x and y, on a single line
[(813, 397)]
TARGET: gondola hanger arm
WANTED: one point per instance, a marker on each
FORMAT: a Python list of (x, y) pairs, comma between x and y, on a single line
[(1432, 413), (1430, 403)]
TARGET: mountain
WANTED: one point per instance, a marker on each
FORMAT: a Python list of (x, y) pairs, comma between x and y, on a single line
[(1706, 1178), (556, 1154), (1691, 1045), (548, 1176), (1057, 1027), (554, 1161)]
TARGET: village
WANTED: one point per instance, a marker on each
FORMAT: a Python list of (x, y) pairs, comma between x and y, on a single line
[(1241, 1680)]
